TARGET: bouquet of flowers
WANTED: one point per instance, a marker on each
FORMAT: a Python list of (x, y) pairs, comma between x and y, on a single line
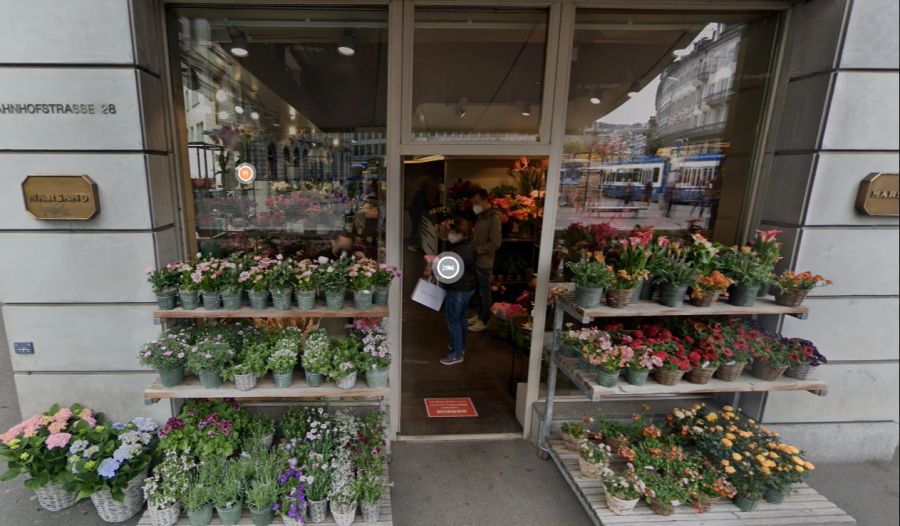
[(360, 274), (505, 311)]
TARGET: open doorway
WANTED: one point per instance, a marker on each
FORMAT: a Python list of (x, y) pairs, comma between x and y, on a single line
[(442, 188)]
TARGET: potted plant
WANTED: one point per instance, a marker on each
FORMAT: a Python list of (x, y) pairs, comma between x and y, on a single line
[(333, 281), (318, 469), (381, 282), (706, 354), (375, 357), (671, 352), (707, 289), (281, 280), (261, 497), (170, 480), (208, 276), (198, 501), (228, 493), (316, 359), (591, 275), (664, 492), (360, 274), (168, 356), (259, 433), (621, 287), (709, 485), (674, 272), (609, 359), (165, 283), (746, 268), (749, 489), (593, 458), (632, 255), (503, 312), (793, 288), (306, 284), (230, 285), (255, 281), (768, 250), (737, 351), (785, 466), (206, 359), (574, 434), (282, 363), (39, 447), (251, 364), (344, 359), (188, 289), (771, 361), (368, 488), (342, 498), (622, 491), (209, 429), (803, 356), (642, 363)]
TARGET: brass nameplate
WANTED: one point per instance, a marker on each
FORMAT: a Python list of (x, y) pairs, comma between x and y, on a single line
[(61, 197), (879, 195)]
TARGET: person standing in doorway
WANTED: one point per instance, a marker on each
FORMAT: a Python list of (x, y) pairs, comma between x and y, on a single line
[(486, 237), (460, 292)]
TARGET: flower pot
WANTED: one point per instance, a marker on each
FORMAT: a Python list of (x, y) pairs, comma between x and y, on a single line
[(647, 289), (707, 299), (263, 517), (210, 378), (370, 512), (572, 350), (267, 440), (377, 378), (259, 299), (672, 295), (166, 299), (503, 328), (607, 378), (620, 506), (617, 299), (791, 299), (636, 376), (190, 299), (111, 510), (572, 443), (171, 377), (591, 470), (347, 382), (743, 295), (334, 299), (800, 371), (636, 291), (586, 365), (667, 376), (661, 508), (380, 295), (164, 516), (53, 497), (775, 496), (245, 382), (314, 379), (281, 299), (283, 380), (588, 297), (200, 517), (290, 521), (317, 509), (617, 442), (230, 516), (745, 503), (231, 299), (763, 291), (362, 299), (212, 300), (729, 372), (344, 515), (764, 371), (306, 299), (700, 375)]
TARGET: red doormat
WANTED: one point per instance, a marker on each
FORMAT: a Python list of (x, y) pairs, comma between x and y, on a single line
[(450, 408)]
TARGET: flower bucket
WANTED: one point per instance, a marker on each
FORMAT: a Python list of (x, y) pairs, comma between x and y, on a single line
[(281, 299), (764, 371), (570, 350), (200, 517), (344, 515), (263, 517), (190, 299), (763, 291), (171, 377), (800, 371), (591, 470), (245, 382), (636, 376), (791, 299), (211, 378), (164, 516), (370, 512), (667, 376), (774, 496), (231, 299), (111, 510), (588, 297), (290, 521), (729, 372), (53, 497), (306, 299), (314, 379), (707, 299), (380, 295), (636, 291), (647, 289), (348, 382), (620, 506), (267, 440), (166, 299), (607, 378), (334, 299), (211, 300), (661, 508), (259, 299), (318, 509), (283, 380), (362, 299), (617, 299), (743, 295), (672, 295), (377, 378), (700, 375), (572, 443), (230, 516), (745, 503)]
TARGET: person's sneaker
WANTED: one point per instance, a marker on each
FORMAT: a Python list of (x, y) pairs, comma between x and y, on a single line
[(473, 319), (478, 326), (451, 360)]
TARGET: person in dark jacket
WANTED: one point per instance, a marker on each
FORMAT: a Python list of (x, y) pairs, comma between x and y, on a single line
[(487, 237), (460, 292)]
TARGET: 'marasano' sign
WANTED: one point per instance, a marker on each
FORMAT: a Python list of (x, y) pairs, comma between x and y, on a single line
[(61, 197)]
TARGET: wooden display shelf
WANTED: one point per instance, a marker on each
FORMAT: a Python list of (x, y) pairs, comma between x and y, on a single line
[(377, 311), (803, 507), (265, 390), (647, 308), (587, 382)]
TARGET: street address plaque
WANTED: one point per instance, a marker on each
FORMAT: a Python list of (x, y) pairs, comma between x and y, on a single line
[(61, 197)]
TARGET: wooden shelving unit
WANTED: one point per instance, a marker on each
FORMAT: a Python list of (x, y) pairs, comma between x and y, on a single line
[(377, 311), (646, 308), (265, 389)]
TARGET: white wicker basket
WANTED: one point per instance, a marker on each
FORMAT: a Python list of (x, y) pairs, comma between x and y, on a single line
[(344, 516), (111, 510), (164, 516), (245, 382), (53, 497), (619, 506), (589, 470)]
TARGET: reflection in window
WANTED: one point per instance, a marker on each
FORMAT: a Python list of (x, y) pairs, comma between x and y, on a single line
[(300, 95)]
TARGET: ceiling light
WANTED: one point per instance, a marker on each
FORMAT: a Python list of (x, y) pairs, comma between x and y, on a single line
[(254, 115), (525, 109), (221, 95), (239, 110), (461, 107), (347, 44), (239, 44), (595, 100)]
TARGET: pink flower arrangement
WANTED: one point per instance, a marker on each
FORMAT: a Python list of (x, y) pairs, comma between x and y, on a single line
[(505, 311), (57, 440)]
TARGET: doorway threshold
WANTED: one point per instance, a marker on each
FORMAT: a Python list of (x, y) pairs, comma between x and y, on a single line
[(467, 437)]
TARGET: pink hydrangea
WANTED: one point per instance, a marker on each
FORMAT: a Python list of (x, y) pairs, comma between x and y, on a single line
[(58, 440)]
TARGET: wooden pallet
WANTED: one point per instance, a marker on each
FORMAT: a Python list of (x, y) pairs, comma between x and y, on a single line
[(803, 507), (587, 382), (377, 311), (646, 308), (265, 389)]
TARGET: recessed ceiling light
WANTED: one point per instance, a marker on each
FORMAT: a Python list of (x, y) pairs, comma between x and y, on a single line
[(595, 100), (239, 110), (525, 109), (254, 115), (221, 95), (347, 44)]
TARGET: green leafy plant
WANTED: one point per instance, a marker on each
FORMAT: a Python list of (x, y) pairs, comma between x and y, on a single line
[(591, 270), (262, 494), (675, 267), (283, 360), (307, 277), (168, 352), (594, 452), (280, 275), (345, 357), (165, 279), (170, 480), (229, 489), (208, 429), (744, 266), (208, 354), (198, 496), (368, 487), (333, 274), (575, 429), (317, 352)]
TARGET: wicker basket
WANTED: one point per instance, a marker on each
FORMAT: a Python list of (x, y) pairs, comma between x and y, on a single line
[(764, 371), (701, 375), (589, 470), (344, 516), (667, 376), (661, 508), (729, 372), (53, 497), (800, 371), (572, 443), (245, 382), (791, 299), (620, 506), (164, 516), (707, 299), (618, 299), (111, 510), (705, 503)]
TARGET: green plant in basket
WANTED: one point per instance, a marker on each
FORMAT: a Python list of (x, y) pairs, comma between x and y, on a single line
[(317, 352), (594, 452), (574, 428), (170, 480), (591, 270), (668, 490), (626, 486)]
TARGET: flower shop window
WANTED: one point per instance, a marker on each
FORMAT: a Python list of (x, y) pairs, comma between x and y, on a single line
[(299, 96)]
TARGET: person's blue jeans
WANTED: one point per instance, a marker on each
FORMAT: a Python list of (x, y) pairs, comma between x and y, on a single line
[(455, 305)]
